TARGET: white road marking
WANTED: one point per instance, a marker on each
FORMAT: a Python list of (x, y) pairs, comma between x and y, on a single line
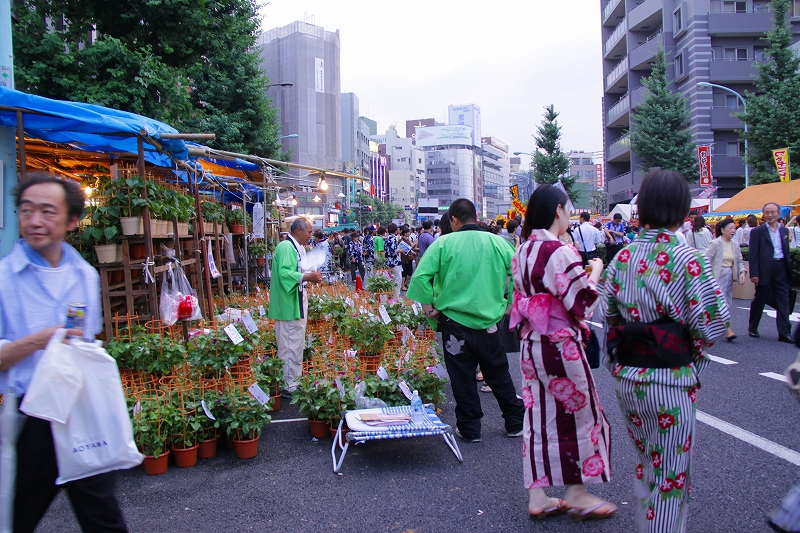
[(289, 420), (722, 360), (773, 375), (751, 438), (595, 324), (794, 317)]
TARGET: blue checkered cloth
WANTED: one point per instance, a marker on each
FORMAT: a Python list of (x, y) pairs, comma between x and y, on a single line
[(430, 427)]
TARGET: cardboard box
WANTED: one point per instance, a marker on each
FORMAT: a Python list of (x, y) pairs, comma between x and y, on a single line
[(746, 291)]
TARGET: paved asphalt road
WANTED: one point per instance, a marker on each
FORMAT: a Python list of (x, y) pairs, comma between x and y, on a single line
[(416, 485)]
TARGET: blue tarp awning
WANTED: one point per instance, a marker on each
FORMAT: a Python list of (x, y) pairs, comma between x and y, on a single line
[(88, 127)]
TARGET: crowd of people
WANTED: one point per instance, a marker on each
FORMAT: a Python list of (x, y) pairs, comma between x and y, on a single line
[(673, 280)]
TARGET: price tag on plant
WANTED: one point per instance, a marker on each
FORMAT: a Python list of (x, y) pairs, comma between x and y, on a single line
[(404, 387), (407, 358), (249, 323), (233, 334), (206, 411), (261, 311), (234, 314), (339, 386), (350, 353), (362, 311), (440, 371), (137, 408), (384, 314), (406, 335), (258, 393), (382, 373), (416, 307), (349, 301)]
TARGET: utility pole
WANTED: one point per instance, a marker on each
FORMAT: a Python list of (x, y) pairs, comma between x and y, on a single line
[(9, 230)]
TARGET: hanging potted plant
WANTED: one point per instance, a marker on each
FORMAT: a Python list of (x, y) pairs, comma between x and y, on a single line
[(237, 219), (258, 249), (102, 232), (246, 419), (126, 194)]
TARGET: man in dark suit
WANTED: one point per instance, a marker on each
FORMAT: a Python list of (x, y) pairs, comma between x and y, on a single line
[(769, 271)]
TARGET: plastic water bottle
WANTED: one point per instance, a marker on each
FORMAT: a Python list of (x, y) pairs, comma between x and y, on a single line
[(417, 409)]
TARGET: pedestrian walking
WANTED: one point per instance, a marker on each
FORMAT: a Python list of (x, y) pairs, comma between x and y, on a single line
[(391, 247), (39, 279), (700, 237), (725, 260), (289, 302), (469, 269), (355, 251), (770, 271), (369, 251), (586, 239), (566, 437), (615, 233), (663, 306)]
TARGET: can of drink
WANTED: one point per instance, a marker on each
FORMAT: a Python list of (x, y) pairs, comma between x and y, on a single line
[(76, 313)]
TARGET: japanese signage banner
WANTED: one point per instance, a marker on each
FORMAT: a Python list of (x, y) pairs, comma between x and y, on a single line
[(704, 157), (781, 157)]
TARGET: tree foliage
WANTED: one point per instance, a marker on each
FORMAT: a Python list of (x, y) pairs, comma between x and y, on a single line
[(551, 164), (773, 112), (661, 135), (382, 212), (193, 65)]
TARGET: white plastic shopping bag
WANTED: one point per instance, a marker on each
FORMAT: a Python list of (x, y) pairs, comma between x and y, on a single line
[(97, 436), (56, 383)]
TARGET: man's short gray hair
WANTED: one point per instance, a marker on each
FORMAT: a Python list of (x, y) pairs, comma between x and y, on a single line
[(300, 223)]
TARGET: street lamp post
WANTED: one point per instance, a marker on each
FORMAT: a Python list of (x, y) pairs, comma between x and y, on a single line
[(744, 106), (532, 170)]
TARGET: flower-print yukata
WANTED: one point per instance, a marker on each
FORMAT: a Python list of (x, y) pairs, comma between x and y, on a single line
[(565, 435), (651, 278)]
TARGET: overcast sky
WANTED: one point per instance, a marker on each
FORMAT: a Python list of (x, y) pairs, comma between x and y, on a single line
[(412, 59)]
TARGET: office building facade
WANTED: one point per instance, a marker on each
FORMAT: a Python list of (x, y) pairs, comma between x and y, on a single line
[(711, 41), (495, 169)]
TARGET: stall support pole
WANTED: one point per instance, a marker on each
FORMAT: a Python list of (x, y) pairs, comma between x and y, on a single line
[(148, 236), (204, 247)]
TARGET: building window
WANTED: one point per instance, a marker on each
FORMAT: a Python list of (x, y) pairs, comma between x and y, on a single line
[(734, 7), (796, 8), (735, 54), (758, 51), (735, 149), (731, 101), (677, 19), (679, 67)]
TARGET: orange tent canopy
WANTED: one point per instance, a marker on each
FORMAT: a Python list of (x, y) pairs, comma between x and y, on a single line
[(755, 196)]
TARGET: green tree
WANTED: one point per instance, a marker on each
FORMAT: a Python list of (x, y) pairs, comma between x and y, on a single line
[(382, 212), (773, 111), (193, 65), (660, 135), (551, 163), (598, 202)]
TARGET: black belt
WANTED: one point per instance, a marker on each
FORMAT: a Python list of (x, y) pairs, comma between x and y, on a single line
[(640, 360), (662, 343)]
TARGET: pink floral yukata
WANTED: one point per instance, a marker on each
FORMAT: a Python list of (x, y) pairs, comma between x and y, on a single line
[(655, 277), (566, 437)]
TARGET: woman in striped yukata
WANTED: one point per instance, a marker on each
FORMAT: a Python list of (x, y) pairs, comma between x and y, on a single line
[(565, 434), (662, 306)]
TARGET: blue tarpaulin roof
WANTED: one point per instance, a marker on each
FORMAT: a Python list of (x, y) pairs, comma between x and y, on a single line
[(88, 127)]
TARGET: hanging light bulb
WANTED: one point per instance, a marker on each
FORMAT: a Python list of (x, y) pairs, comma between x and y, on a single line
[(323, 185), (294, 200), (88, 190)]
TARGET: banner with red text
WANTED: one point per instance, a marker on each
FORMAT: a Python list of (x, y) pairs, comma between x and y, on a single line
[(704, 158), (781, 157)]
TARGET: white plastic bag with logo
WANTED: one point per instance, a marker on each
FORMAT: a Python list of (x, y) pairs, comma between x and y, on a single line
[(55, 385), (97, 436)]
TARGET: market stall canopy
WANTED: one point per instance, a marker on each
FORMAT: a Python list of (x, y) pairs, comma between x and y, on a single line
[(623, 209), (753, 198), (89, 127)]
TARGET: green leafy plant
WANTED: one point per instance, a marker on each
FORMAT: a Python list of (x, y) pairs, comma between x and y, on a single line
[(258, 248), (151, 426), (403, 315), (379, 283), (268, 372), (126, 195), (368, 333), (186, 426), (238, 216), (210, 354), (104, 225), (321, 400), (246, 417), (213, 212), (148, 352)]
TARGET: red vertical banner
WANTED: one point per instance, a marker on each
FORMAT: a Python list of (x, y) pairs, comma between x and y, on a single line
[(704, 158)]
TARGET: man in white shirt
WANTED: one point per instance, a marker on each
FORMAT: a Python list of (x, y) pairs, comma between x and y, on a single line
[(586, 238)]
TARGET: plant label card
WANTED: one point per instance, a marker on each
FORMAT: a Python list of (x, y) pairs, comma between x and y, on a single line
[(404, 387), (309, 340), (399, 364), (249, 323), (407, 358), (261, 311), (382, 373), (330, 339), (206, 411), (407, 334), (233, 334), (258, 393), (384, 314), (137, 408), (350, 354), (440, 371), (339, 386), (416, 307), (362, 311), (349, 301)]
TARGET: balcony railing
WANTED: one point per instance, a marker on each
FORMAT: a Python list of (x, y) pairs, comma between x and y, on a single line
[(610, 6), (619, 108), (615, 37), (620, 69), (620, 145)]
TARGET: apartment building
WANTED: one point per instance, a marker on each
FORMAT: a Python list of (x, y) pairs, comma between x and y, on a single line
[(709, 41)]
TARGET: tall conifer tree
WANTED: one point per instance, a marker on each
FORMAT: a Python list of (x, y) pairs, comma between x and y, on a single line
[(551, 163)]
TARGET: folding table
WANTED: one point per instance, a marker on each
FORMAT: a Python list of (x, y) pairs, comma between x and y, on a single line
[(360, 432)]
